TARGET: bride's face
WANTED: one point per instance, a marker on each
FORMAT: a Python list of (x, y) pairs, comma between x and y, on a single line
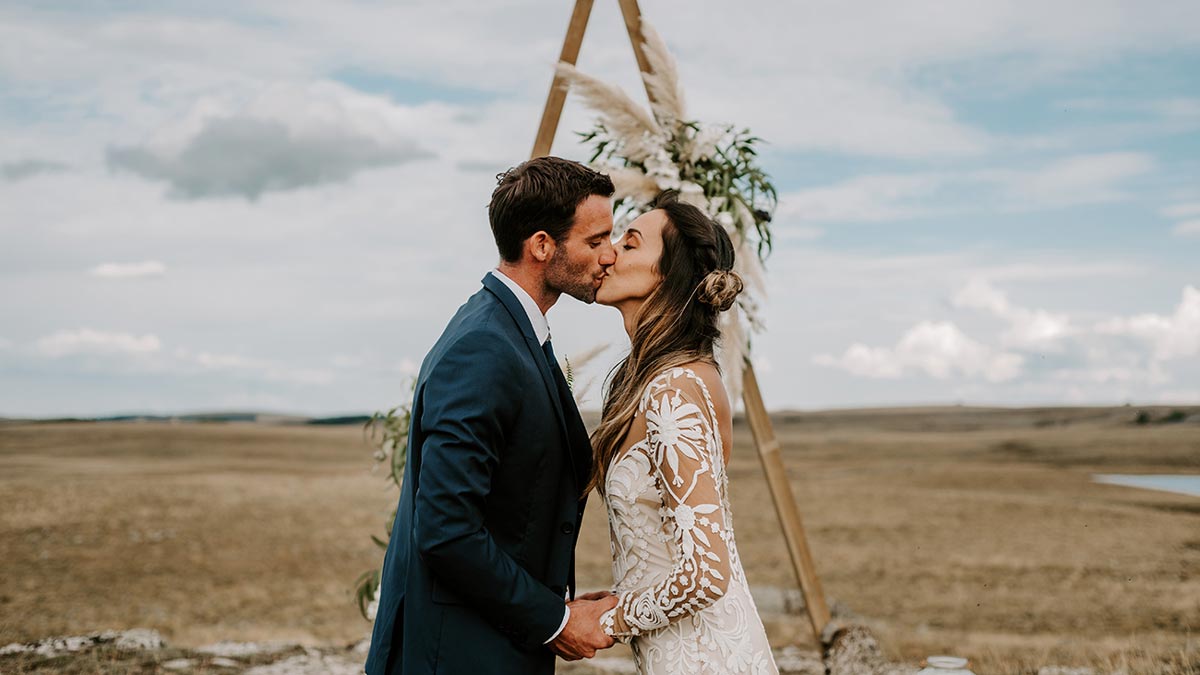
[(634, 275)]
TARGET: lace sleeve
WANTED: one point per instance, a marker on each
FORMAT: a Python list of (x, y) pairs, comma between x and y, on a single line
[(681, 444)]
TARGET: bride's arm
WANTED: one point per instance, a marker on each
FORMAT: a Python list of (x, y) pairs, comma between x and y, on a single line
[(678, 436)]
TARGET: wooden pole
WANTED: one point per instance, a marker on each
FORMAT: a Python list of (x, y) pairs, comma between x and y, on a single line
[(785, 502), (554, 102), (633, 25)]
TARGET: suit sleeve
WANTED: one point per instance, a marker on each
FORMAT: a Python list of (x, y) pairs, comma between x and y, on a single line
[(470, 397)]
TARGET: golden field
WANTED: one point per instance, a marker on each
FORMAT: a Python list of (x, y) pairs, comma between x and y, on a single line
[(971, 531)]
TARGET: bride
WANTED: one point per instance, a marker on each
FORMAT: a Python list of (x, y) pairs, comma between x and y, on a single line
[(661, 451)]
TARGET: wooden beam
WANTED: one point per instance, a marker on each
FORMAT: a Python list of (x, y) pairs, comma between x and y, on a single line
[(554, 102), (785, 502), (633, 25)]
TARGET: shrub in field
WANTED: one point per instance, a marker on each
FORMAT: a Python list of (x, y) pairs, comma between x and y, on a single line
[(388, 432)]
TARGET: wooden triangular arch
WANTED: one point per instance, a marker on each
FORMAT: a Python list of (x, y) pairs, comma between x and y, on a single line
[(756, 411)]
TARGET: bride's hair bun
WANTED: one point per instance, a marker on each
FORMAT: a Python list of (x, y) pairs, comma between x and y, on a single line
[(720, 289)]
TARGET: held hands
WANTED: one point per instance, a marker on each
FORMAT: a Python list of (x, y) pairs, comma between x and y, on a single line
[(582, 635)]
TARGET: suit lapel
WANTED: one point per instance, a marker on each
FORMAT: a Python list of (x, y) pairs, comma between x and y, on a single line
[(517, 312)]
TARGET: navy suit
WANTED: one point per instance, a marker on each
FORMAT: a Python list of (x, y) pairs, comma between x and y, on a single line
[(482, 549)]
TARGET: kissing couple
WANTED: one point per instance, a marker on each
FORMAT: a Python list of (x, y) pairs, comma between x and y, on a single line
[(479, 575)]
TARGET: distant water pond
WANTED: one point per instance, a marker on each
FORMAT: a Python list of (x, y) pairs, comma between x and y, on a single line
[(1182, 484)]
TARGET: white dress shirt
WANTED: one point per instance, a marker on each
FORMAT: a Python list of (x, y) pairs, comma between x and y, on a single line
[(541, 328)]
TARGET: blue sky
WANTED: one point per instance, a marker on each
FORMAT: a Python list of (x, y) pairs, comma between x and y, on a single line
[(277, 206)]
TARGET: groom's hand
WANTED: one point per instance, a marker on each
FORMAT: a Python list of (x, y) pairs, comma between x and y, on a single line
[(583, 635)]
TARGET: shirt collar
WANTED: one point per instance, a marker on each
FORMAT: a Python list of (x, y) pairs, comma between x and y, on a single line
[(541, 327)]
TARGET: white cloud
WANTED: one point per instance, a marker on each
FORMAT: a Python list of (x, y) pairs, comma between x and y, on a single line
[(1171, 337), (1079, 179), (1188, 228), (1181, 108), (1153, 375), (937, 348), (785, 232), (406, 367), (1028, 328), (349, 361), (1181, 210), (19, 170), (149, 268), (1058, 269), (270, 370), (88, 341), (868, 198), (222, 361), (1070, 180), (152, 358), (285, 137)]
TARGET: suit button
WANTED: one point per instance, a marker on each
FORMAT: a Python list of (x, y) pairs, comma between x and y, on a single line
[(567, 528)]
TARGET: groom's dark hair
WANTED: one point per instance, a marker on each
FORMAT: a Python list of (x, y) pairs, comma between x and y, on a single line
[(540, 195)]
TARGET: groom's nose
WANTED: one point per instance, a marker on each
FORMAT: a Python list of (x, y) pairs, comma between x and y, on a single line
[(608, 255)]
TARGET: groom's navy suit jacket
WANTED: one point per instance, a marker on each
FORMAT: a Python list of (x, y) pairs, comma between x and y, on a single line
[(482, 549)]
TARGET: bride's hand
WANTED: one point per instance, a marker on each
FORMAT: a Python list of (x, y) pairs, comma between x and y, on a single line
[(595, 595)]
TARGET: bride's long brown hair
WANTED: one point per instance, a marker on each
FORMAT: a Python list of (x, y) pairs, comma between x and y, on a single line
[(677, 323)]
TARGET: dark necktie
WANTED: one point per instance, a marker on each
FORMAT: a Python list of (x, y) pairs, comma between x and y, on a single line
[(566, 398)]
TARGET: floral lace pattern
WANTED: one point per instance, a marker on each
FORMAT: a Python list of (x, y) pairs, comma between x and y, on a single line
[(684, 604)]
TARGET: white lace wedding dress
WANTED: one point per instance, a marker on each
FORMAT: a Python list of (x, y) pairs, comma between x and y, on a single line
[(685, 606)]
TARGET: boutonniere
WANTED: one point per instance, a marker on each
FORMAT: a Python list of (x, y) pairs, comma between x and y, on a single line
[(570, 375)]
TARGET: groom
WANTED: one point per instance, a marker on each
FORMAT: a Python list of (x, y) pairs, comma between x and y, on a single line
[(481, 558)]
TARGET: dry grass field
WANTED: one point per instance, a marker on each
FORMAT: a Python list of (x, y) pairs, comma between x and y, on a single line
[(971, 531)]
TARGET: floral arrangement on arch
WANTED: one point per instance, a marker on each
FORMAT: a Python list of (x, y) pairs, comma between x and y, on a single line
[(713, 166)]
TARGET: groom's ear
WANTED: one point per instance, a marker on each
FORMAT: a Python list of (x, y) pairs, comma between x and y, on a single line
[(540, 246)]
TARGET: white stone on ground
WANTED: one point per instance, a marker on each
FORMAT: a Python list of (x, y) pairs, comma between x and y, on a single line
[(140, 638), (236, 649), (312, 662), (137, 638)]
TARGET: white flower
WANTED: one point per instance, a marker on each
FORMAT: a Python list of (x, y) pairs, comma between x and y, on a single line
[(685, 518), (704, 145), (691, 193), (674, 429), (725, 220), (664, 171)]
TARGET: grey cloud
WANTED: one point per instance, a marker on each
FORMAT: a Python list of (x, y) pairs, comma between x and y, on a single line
[(14, 171), (247, 157), (482, 166)]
